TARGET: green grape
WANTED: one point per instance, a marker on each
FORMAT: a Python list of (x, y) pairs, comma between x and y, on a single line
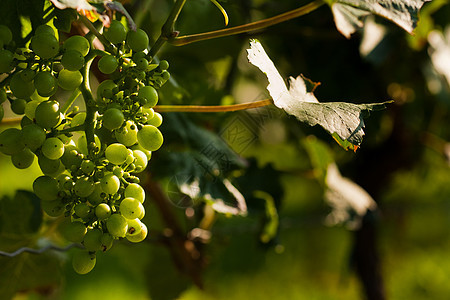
[(140, 161), (23, 159), (164, 65), (113, 118), (118, 171), (5, 35), (87, 166), (83, 262), (45, 84), (11, 141), (77, 42), (18, 106), (92, 240), (69, 80), (150, 138), (117, 225), (82, 143), (138, 55), (27, 75), (140, 148), (148, 112), (25, 122), (134, 227), (134, 190), (140, 236), (97, 195), (78, 119), (6, 60), (53, 208), (83, 187), (64, 180), (21, 88), (71, 157), (107, 64), (44, 28), (53, 148), (103, 87), (3, 96), (82, 210), (33, 136), (165, 76), (137, 40), (72, 60), (46, 188), (110, 183), (156, 120), (47, 114), (30, 109), (73, 231), (130, 157), (103, 211), (107, 241), (48, 166), (116, 32), (45, 45), (131, 208), (116, 153), (141, 64), (150, 94), (128, 134)]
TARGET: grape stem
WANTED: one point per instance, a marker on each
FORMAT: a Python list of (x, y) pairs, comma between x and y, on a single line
[(70, 101), (212, 108), (95, 32), (188, 39)]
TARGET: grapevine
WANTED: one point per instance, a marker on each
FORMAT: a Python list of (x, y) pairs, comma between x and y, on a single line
[(89, 159)]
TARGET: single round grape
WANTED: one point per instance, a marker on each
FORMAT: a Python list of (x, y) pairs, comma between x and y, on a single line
[(33, 136), (137, 40), (83, 187), (150, 94), (116, 32), (97, 195), (47, 114), (140, 148), (138, 55), (110, 183), (6, 59), (45, 45), (3, 96), (82, 210), (140, 236), (46, 188), (44, 28), (103, 211), (77, 42), (107, 241), (103, 87), (45, 83), (134, 190), (18, 106), (128, 134), (48, 166), (87, 166), (165, 76), (5, 35), (116, 153), (83, 262), (150, 138), (130, 157), (21, 88), (27, 75), (53, 148), (164, 65), (117, 225), (25, 121), (141, 64), (140, 161), (73, 231), (130, 208), (69, 80), (82, 143), (72, 60), (113, 118), (92, 240), (11, 141), (134, 226), (53, 208), (156, 120), (71, 157), (107, 64), (30, 109), (23, 159)]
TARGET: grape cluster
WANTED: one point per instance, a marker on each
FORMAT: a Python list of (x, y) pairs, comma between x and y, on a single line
[(89, 176)]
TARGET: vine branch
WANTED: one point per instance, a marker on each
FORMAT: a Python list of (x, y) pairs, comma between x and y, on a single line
[(39, 251), (212, 108)]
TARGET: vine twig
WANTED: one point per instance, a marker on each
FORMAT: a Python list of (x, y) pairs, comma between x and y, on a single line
[(39, 251), (212, 108)]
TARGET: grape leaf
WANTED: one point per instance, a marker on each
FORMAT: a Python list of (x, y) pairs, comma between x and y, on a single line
[(349, 14), (346, 120)]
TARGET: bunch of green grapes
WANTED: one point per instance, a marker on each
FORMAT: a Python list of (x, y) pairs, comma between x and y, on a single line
[(89, 176)]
